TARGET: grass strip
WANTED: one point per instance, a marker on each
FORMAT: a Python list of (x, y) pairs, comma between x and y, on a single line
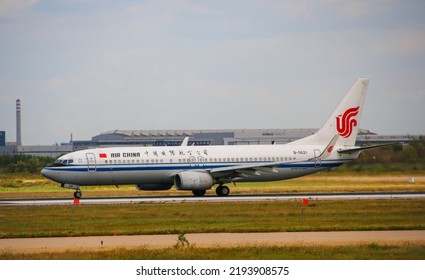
[(372, 251)]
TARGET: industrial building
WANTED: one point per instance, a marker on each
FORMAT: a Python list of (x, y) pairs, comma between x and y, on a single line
[(196, 137), (2, 138)]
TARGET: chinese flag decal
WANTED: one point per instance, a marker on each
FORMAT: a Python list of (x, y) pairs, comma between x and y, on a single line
[(102, 155)]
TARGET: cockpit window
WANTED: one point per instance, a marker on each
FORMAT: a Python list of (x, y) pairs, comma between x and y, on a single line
[(62, 162)]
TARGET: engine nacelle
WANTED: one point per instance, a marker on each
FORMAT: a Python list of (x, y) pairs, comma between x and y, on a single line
[(193, 180), (154, 187)]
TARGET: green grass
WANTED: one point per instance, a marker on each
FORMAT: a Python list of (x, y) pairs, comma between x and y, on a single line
[(84, 220), (371, 251)]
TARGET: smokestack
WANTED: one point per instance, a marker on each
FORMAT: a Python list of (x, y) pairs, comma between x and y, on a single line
[(18, 123)]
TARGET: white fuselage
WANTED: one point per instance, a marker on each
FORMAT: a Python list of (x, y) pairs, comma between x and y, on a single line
[(155, 165)]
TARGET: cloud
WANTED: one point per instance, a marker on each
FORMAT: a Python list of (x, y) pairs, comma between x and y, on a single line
[(13, 8), (86, 67)]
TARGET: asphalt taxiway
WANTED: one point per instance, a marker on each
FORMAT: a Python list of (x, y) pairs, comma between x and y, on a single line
[(213, 198)]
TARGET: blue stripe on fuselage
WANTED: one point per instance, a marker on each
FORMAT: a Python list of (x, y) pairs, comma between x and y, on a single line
[(171, 166)]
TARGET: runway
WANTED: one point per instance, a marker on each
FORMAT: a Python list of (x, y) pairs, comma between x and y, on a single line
[(212, 240), (213, 198)]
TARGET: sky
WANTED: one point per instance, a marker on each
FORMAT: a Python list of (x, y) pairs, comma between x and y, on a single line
[(87, 67)]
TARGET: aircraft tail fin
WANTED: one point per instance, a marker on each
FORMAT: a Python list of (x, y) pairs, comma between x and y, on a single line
[(344, 121)]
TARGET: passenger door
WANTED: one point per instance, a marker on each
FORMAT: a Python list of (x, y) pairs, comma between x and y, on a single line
[(91, 162), (318, 161)]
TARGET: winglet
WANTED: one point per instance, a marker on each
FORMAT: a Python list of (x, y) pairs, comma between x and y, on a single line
[(328, 150)]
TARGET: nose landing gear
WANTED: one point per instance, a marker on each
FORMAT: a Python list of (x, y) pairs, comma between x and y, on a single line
[(77, 193)]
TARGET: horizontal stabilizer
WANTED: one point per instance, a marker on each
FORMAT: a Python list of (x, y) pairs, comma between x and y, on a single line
[(358, 149)]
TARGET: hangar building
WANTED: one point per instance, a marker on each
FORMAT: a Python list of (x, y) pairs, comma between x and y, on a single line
[(219, 137)]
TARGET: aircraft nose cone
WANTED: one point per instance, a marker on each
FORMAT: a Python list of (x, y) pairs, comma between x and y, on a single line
[(45, 172), (51, 174)]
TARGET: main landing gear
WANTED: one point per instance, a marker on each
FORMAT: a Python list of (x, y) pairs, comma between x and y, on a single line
[(222, 190), (199, 193)]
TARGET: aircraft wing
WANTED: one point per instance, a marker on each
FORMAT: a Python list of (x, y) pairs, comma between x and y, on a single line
[(243, 170), (270, 167)]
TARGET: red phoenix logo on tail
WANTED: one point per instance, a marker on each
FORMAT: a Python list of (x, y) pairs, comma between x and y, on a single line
[(346, 122)]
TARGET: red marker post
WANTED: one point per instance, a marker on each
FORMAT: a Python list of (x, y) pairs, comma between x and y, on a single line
[(304, 203), (76, 201)]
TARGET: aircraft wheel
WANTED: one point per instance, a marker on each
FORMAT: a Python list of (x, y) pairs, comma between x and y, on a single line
[(222, 191), (78, 194), (199, 192)]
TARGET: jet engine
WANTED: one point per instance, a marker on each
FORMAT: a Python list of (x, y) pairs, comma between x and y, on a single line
[(193, 180), (154, 187)]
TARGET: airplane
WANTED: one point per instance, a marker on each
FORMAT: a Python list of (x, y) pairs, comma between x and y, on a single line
[(199, 168)]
